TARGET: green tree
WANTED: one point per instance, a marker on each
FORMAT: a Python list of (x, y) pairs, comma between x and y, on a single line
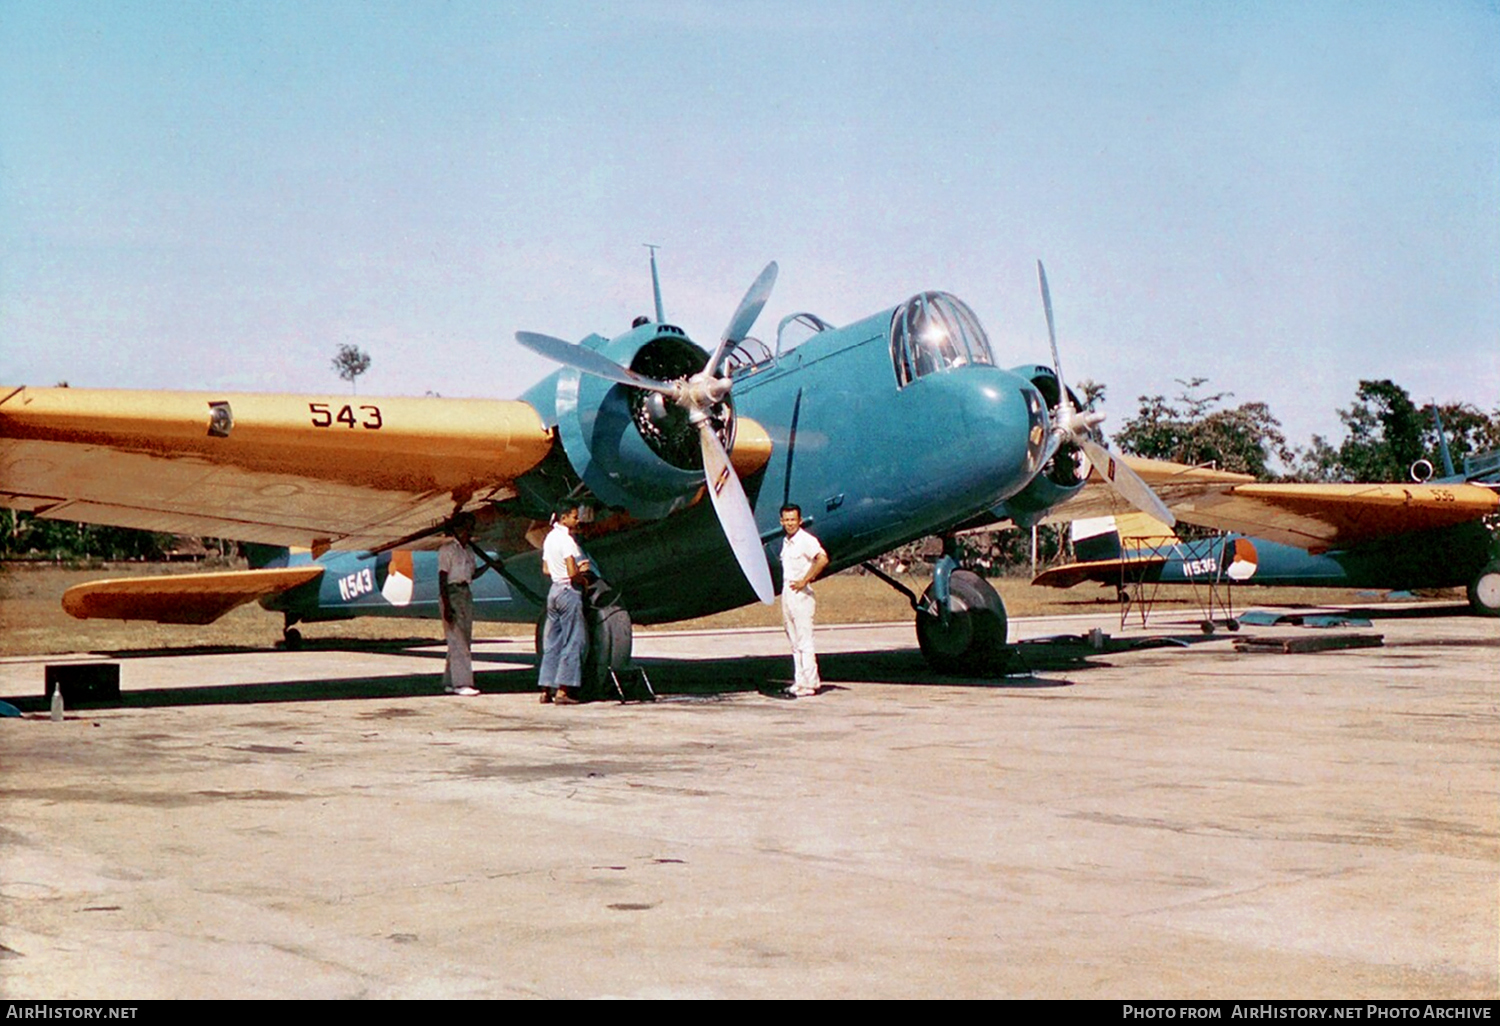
[(1090, 393), (351, 362), (1385, 433), (1319, 462), (1195, 429)]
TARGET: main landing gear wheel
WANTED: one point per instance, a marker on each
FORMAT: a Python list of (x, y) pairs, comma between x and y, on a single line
[(1484, 591), (611, 642), (610, 648), (973, 640)]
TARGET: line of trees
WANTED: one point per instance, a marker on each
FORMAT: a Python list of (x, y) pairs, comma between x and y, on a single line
[(25, 536), (1385, 433)]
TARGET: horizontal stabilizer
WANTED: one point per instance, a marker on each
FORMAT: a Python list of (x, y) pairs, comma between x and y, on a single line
[(181, 598), (1105, 571)]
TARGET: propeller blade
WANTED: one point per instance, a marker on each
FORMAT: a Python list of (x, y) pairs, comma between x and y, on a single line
[(1127, 482), (1075, 426), (1041, 273), (744, 317), (579, 358), (734, 512)]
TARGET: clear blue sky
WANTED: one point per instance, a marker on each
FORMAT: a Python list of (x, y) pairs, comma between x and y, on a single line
[(1281, 197)]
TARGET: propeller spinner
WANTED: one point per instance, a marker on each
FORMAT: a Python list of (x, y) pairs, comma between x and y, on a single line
[(697, 395), (1070, 424)]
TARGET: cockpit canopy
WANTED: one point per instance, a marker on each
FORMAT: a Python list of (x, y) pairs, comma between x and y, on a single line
[(935, 331)]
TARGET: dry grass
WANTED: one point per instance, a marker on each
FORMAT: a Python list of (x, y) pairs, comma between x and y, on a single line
[(32, 621)]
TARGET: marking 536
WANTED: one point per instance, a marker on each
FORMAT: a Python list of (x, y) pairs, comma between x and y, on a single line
[(367, 417)]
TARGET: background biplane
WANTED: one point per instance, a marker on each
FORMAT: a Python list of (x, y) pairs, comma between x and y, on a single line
[(895, 427)]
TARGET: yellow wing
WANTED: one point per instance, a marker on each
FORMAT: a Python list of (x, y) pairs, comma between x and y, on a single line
[(318, 471), (1316, 517)]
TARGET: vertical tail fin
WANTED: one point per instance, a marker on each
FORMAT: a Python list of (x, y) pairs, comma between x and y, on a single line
[(1101, 538), (1096, 539)]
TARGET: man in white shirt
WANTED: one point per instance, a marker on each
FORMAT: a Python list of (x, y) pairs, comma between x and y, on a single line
[(455, 572), (566, 633), (802, 560)]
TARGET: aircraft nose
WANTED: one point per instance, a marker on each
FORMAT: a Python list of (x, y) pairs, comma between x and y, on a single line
[(1006, 415)]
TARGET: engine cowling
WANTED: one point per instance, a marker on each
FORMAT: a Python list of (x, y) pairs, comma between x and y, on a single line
[(633, 448), (1062, 475)]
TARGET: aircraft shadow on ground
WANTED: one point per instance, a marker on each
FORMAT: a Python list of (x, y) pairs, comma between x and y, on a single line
[(1412, 613), (669, 677), (1421, 612)]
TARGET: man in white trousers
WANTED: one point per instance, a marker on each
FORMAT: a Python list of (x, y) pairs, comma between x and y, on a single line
[(802, 560)]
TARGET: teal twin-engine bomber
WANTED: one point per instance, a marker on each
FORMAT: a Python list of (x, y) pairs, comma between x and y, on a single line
[(873, 464), (895, 427), (874, 456)]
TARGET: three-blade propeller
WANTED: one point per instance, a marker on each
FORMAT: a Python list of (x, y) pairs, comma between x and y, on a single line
[(1070, 424), (697, 394)]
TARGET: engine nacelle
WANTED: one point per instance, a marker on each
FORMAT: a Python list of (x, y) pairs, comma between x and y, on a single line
[(636, 449), (1064, 474)]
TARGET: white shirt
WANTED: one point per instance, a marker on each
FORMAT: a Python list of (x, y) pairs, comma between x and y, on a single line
[(559, 545), (457, 561), (798, 553)]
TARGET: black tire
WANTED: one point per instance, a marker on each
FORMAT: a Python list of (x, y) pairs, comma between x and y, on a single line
[(611, 642), (1484, 591), (973, 642), (291, 639)]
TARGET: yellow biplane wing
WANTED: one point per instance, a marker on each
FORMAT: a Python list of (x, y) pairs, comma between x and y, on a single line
[(1315, 517), (316, 471)]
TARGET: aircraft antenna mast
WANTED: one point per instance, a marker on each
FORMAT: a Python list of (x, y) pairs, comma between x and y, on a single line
[(655, 282)]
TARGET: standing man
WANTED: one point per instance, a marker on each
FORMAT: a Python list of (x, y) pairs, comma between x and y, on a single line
[(802, 560), (566, 634), (455, 572)]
